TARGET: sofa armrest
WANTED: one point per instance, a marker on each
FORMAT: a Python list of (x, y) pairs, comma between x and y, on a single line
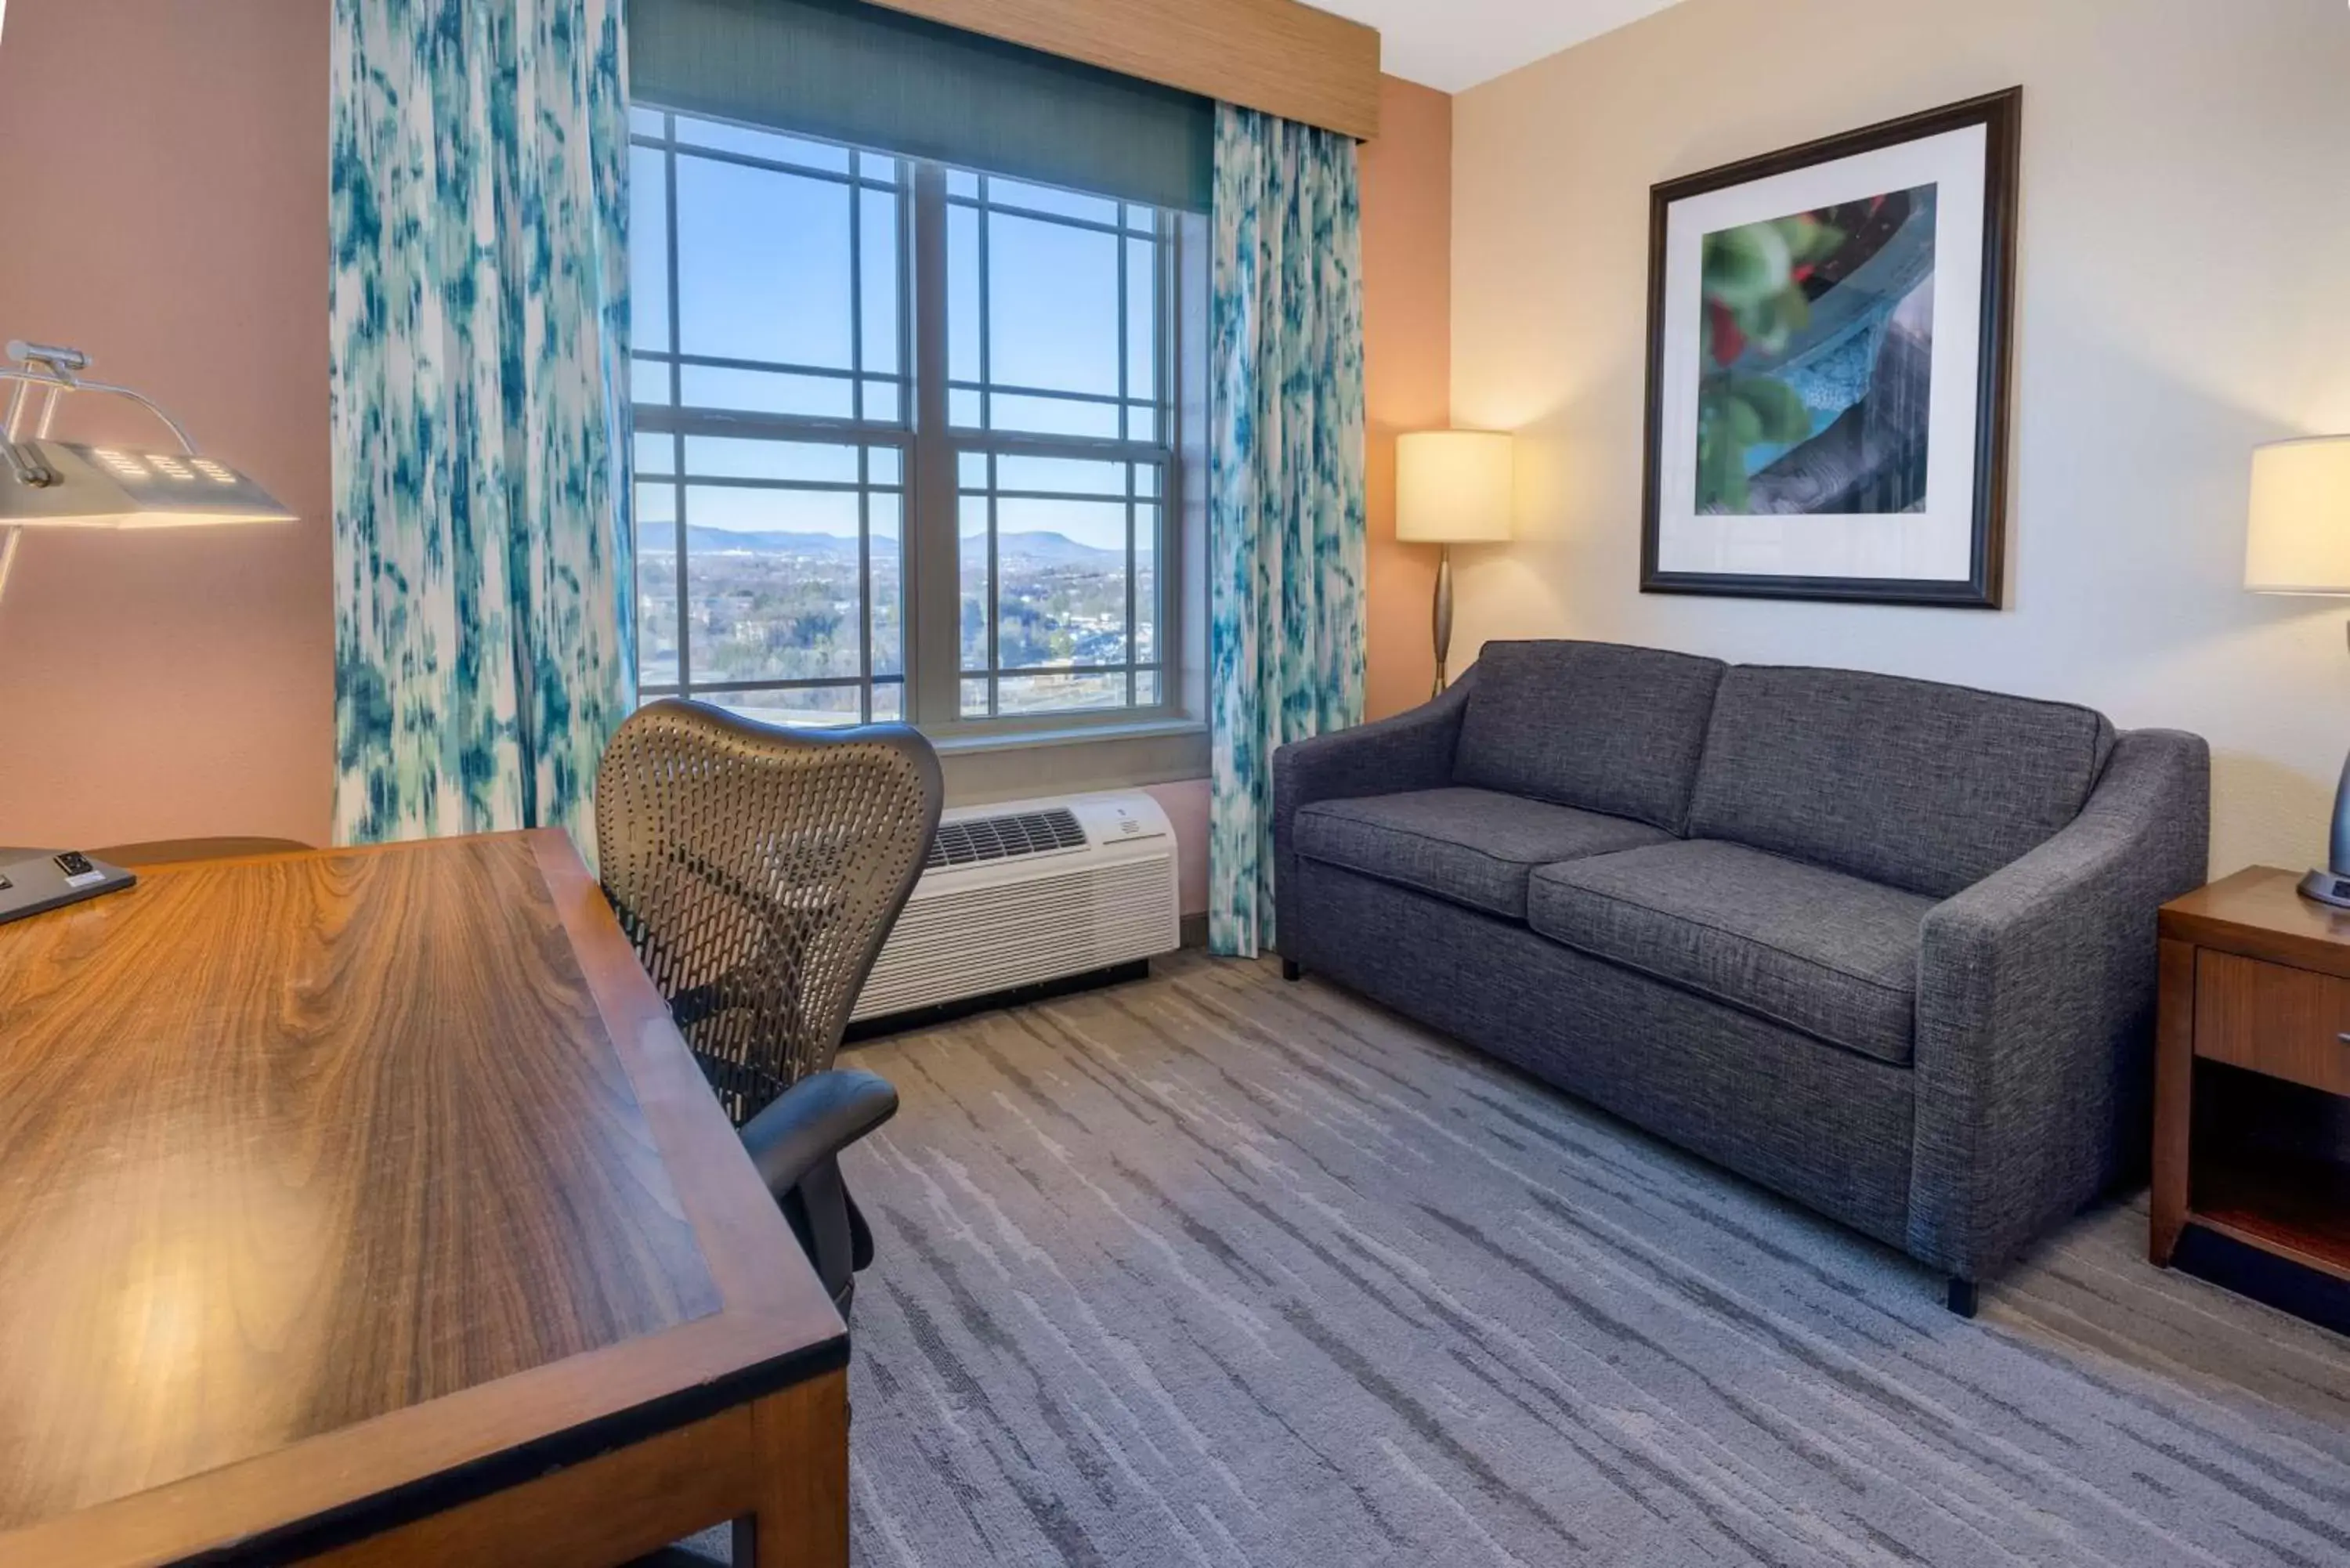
[(1410, 751), (2036, 1012)]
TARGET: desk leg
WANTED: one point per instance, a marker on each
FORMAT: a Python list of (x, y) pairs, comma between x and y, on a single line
[(2174, 1085), (800, 1446)]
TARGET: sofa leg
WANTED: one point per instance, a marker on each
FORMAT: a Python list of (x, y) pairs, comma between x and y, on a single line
[(1292, 970), (1965, 1296)]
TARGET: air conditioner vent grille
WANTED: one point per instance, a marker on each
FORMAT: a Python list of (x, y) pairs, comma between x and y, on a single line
[(971, 840)]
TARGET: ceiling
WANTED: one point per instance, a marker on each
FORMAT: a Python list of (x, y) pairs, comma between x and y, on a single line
[(1456, 44)]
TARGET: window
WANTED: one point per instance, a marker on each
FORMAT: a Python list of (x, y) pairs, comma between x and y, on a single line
[(905, 436)]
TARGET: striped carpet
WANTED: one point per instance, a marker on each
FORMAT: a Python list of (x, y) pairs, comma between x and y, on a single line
[(1214, 1270)]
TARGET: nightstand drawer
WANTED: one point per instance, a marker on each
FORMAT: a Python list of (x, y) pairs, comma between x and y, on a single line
[(2287, 1023)]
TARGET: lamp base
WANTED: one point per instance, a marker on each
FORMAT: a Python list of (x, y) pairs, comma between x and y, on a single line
[(2325, 888)]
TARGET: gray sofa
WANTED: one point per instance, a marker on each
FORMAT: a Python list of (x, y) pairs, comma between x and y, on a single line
[(1885, 946)]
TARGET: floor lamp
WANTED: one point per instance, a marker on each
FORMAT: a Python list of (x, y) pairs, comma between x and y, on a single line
[(1452, 487)]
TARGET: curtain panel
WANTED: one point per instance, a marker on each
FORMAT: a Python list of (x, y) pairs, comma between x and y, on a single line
[(1285, 508), (484, 576)]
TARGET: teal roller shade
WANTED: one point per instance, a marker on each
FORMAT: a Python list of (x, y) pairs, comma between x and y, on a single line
[(862, 74)]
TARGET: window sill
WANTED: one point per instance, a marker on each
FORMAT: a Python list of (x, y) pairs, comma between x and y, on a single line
[(961, 741), (1071, 760)]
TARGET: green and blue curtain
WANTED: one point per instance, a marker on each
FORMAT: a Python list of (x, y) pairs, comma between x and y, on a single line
[(479, 306), (1286, 509)]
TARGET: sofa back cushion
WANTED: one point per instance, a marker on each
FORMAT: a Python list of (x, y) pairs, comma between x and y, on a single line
[(1911, 783), (1589, 724)]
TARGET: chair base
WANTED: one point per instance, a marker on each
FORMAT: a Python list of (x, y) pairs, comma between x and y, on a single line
[(1965, 1296), (1292, 970)]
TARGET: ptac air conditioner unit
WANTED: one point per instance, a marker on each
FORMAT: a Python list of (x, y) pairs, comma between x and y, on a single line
[(1026, 892)]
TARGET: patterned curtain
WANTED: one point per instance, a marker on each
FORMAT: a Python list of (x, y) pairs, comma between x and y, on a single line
[(1285, 518), (484, 600)]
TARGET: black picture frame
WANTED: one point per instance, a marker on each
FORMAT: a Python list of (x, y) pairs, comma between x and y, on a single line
[(2000, 114)]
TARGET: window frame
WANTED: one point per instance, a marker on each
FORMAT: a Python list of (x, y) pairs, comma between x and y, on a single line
[(930, 449)]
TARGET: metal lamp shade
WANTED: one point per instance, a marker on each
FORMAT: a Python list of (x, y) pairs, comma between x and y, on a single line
[(116, 487)]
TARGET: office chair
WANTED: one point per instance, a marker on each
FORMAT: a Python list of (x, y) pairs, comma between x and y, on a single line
[(757, 870)]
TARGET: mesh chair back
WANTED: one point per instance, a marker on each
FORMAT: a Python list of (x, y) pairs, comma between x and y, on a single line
[(757, 870)]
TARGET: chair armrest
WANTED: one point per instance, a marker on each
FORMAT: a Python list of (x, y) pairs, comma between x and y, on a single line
[(2036, 1012), (813, 1121), (1410, 751)]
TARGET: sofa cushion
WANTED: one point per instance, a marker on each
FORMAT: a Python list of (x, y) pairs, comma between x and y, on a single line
[(1812, 949), (1909, 783), (1473, 846), (1591, 724)]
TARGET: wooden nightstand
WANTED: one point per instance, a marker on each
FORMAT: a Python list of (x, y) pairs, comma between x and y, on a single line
[(2252, 1122)]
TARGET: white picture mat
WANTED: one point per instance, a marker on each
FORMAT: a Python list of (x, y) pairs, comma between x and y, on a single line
[(1935, 544)]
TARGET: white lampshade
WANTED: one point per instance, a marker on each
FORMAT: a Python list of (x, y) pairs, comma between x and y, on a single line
[(1453, 487), (2299, 542)]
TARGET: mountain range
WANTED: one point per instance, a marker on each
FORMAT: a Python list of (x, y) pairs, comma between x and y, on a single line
[(1040, 547)]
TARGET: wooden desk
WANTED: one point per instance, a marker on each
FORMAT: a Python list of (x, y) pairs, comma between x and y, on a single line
[(365, 1207)]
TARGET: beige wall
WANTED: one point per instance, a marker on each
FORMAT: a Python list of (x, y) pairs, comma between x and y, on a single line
[(165, 168), (1406, 366), (2183, 295)]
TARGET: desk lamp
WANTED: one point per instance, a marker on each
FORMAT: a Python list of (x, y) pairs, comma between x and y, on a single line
[(2299, 542), (49, 484)]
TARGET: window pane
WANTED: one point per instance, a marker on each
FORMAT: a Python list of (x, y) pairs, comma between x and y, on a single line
[(882, 464), (1142, 220), (656, 453), (1059, 693), (1060, 583), (962, 409), (877, 277), (1052, 307), (1146, 688), (649, 248), (972, 552), (823, 707), (764, 144), (1146, 582), (974, 699), (1054, 416), (766, 392), (762, 264), (1142, 422), (1061, 475), (888, 556), (657, 653), (1050, 199), (1141, 319), (971, 470), (882, 402), (648, 381), (888, 702), (728, 457), (772, 584), (643, 121), (963, 294)]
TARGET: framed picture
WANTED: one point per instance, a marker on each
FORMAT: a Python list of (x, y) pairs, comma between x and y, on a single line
[(1829, 343)]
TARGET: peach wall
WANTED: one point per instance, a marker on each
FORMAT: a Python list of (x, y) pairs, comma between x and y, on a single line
[(165, 165), (169, 687), (1407, 356)]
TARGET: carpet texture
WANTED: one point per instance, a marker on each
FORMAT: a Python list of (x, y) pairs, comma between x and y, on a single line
[(1212, 1269)]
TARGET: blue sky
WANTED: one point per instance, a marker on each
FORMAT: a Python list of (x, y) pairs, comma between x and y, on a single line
[(765, 273)]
